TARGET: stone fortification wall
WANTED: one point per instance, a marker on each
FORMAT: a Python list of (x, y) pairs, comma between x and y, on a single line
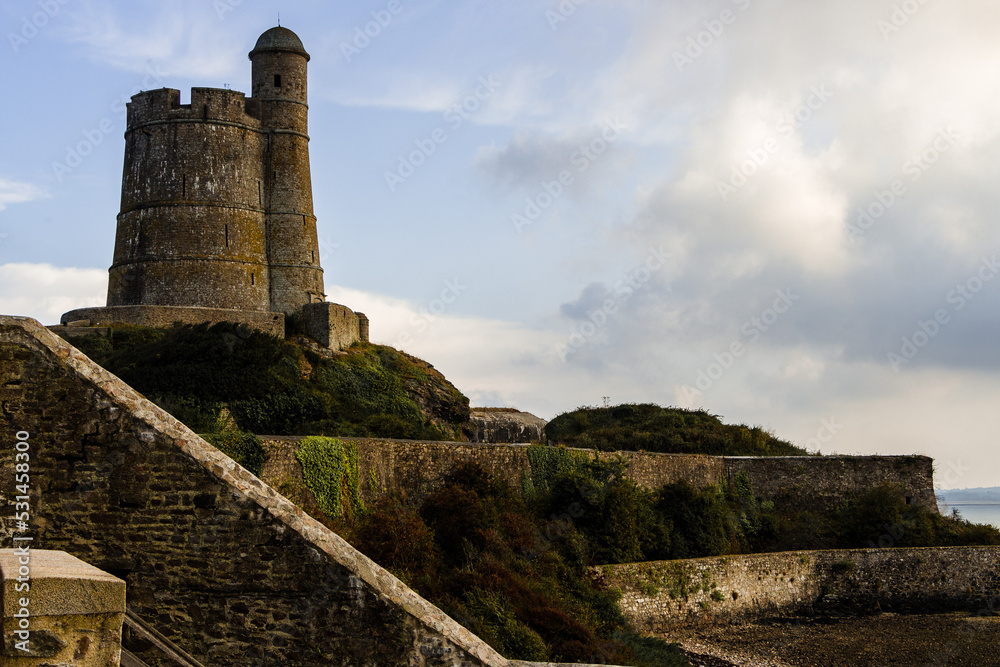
[(215, 559), (165, 316), (332, 325), (818, 483), (414, 469), (664, 595)]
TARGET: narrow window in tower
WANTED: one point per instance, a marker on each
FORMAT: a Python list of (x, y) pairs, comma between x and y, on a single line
[(227, 236), (253, 279), (313, 253), (184, 185), (277, 81), (204, 112), (260, 195)]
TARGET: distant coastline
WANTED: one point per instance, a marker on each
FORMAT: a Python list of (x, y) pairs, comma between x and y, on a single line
[(980, 505)]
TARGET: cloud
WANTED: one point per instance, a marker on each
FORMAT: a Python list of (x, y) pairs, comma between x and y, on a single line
[(186, 38), (45, 292), (14, 192)]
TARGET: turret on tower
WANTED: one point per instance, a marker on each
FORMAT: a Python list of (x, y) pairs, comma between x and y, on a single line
[(216, 220), (279, 85)]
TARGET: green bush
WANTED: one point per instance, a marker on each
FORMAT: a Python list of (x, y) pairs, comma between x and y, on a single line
[(652, 428), (271, 386), (489, 567), (245, 448)]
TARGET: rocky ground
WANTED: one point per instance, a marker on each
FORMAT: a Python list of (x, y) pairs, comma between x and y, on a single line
[(883, 640)]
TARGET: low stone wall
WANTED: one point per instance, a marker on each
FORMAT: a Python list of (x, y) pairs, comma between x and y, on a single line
[(660, 596), (820, 482), (165, 316), (416, 469)]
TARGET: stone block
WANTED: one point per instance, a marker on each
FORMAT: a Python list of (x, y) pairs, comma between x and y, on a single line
[(331, 324), (73, 613)]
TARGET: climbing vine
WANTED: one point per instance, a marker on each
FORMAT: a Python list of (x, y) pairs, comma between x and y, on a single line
[(550, 463), (331, 471)]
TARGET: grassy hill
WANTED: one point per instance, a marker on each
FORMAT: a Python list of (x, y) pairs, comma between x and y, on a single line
[(651, 428), (225, 375)]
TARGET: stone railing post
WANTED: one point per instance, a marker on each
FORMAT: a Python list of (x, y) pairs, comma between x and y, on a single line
[(58, 610)]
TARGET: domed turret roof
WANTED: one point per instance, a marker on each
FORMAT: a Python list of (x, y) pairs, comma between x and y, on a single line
[(279, 39)]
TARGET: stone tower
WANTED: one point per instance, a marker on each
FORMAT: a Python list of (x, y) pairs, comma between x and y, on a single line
[(216, 220)]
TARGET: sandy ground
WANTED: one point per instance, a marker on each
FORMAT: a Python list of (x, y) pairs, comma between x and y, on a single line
[(884, 640)]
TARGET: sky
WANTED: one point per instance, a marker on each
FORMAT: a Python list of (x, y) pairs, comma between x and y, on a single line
[(781, 211)]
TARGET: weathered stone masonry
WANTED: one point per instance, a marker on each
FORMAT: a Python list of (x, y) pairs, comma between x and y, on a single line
[(808, 482), (660, 596), (215, 559)]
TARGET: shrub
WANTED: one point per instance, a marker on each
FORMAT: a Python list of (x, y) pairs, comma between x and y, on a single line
[(245, 448), (272, 386), (652, 428)]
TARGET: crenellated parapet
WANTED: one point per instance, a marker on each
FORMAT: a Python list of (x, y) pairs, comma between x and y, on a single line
[(207, 105)]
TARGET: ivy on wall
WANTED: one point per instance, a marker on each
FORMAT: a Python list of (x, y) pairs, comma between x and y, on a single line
[(550, 463), (330, 469)]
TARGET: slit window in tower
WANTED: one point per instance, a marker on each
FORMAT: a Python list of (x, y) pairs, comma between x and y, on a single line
[(227, 236), (253, 279), (277, 81), (184, 185), (260, 196), (313, 254)]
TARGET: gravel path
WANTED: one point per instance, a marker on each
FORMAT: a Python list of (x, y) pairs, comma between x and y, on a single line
[(885, 640)]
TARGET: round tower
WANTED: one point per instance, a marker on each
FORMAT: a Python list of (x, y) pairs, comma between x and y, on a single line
[(191, 231), (279, 88)]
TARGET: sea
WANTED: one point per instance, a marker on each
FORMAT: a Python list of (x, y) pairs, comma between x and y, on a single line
[(975, 505), (976, 512)]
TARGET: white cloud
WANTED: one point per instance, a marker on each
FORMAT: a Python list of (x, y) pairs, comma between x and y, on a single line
[(185, 38), (45, 292), (14, 192)]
